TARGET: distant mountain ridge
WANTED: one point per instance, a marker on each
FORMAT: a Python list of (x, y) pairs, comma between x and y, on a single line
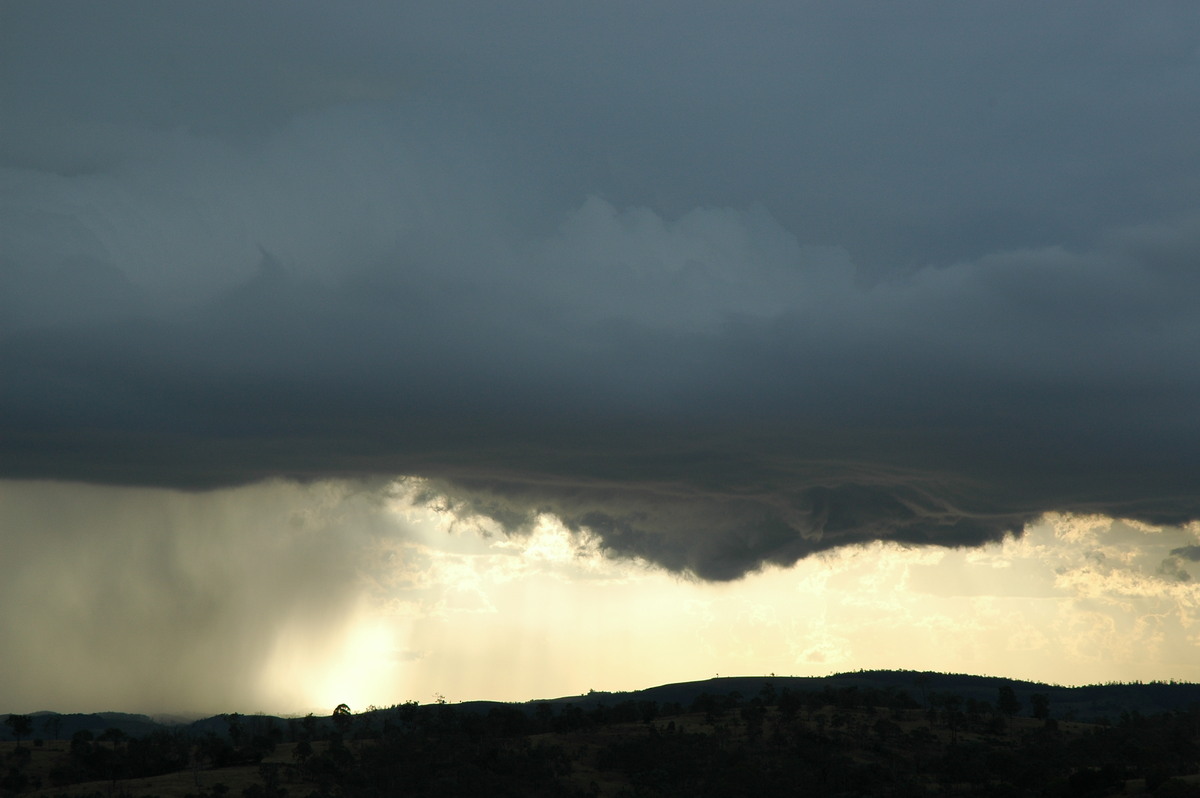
[(1085, 703), (62, 726)]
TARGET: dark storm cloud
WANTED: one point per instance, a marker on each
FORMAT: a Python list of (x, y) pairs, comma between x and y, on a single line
[(725, 289), (1171, 570), (1187, 552)]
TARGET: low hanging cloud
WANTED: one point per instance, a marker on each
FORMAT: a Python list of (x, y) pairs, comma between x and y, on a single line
[(705, 430), (391, 274)]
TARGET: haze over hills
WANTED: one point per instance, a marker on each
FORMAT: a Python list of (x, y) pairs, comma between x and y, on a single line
[(1084, 703), (878, 733)]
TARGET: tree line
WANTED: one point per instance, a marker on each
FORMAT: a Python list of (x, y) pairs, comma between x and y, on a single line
[(835, 741)]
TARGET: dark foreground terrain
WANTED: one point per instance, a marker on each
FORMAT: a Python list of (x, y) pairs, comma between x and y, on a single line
[(881, 733)]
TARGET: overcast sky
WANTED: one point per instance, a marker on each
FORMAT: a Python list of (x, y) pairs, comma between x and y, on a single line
[(703, 294)]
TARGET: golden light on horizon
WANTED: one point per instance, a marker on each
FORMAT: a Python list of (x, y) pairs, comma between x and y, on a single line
[(490, 616), (339, 597)]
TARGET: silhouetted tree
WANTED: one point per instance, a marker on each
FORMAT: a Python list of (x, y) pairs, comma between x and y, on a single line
[(112, 735), (21, 726), (233, 722), (342, 718), (81, 741), (789, 704), (309, 726), (922, 683), (52, 725), (1007, 701), (1040, 702), (753, 715), (767, 694), (953, 716), (302, 751)]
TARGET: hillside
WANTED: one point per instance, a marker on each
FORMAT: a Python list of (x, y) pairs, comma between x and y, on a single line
[(869, 733), (1096, 703)]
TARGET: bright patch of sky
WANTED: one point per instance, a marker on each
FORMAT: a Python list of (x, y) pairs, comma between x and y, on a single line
[(287, 598), (471, 613)]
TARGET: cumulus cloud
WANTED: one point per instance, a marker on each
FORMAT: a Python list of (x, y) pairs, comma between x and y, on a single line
[(717, 318)]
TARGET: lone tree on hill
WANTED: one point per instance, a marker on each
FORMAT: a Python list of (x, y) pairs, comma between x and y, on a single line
[(1007, 701), (21, 726), (342, 718)]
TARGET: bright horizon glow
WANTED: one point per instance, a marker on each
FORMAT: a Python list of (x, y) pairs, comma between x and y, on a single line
[(287, 598), (467, 613)]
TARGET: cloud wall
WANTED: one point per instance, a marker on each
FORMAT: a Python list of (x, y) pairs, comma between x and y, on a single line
[(794, 280)]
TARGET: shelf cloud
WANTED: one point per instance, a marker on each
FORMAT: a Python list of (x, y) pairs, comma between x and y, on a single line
[(723, 290)]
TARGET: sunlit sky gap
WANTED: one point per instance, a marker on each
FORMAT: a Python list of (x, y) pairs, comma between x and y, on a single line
[(296, 598)]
